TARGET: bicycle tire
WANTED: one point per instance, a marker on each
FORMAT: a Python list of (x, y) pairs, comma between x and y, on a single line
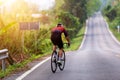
[(62, 65), (54, 61)]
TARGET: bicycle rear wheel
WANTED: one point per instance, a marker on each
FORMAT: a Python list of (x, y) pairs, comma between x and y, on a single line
[(62, 65), (54, 61)]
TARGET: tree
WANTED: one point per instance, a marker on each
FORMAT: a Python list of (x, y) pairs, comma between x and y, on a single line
[(93, 6), (77, 8), (44, 17), (71, 22)]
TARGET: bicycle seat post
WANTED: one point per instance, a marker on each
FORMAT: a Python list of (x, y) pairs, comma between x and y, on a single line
[(57, 49)]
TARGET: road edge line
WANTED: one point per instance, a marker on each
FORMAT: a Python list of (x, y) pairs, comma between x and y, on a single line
[(115, 39), (32, 69), (84, 35)]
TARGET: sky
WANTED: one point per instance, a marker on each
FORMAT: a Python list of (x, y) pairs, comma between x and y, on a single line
[(7, 2), (43, 4)]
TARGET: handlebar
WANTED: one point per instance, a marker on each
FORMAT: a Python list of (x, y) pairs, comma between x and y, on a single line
[(67, 44)]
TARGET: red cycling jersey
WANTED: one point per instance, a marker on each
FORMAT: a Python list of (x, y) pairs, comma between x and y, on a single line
[(60, 30), (56, 35)]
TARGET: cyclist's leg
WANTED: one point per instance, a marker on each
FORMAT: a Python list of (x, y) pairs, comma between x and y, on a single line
[(60, 55), (60, 45), (60, 52), (57, 41), (54, 41), (54, 47)]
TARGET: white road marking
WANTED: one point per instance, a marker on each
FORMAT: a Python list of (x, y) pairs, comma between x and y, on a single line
[(117, 56), (84, 35), (32, 69), (39, 64), (111, 32)]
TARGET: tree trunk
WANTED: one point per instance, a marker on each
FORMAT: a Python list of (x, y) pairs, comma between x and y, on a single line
[(10, 60)]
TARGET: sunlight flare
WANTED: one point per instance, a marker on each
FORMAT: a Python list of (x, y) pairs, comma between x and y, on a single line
[(6, 2)]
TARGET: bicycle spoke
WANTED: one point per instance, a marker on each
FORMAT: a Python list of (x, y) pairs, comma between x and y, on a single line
[(53, 62), (62, 65)]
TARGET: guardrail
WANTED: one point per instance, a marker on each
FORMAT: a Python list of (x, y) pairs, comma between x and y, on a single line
[(3, 56)]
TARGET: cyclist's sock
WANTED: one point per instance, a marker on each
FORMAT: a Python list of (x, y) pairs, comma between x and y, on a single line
[(59, 62), (60, 58)]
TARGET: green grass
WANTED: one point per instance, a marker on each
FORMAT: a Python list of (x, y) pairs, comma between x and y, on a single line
[(113, 29), (16, 67), (115, 33), (75, 43)]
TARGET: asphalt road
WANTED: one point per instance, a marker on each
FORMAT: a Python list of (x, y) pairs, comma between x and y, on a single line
[(97, 59)]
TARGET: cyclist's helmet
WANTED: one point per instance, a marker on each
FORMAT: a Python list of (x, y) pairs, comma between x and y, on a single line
[(59, 24)]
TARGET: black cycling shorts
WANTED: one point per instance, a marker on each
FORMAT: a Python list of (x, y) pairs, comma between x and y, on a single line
[(57, 40)]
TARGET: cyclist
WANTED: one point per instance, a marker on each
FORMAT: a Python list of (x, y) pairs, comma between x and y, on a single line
[(57, 40)]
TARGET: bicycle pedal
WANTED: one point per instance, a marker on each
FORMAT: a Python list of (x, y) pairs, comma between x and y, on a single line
[(59, 62), (62, 59)]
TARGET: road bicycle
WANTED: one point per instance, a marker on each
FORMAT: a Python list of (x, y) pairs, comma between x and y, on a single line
[(55, 58)]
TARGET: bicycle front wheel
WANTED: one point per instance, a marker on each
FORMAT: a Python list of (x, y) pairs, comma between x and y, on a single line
[(62, 65), (54, 61)]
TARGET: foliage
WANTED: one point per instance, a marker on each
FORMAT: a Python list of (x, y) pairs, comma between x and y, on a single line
[(12, 37), (111, 15), (75, 13), (68, 20), (20, 66), (76, 8), (5, 28), (76, 41), (44, 19), (58, 5), (112, 12), (71, 22), (72, 13), (93, 6)]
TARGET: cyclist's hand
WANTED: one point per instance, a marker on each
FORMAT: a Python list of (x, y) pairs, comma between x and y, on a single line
[(68, 44)]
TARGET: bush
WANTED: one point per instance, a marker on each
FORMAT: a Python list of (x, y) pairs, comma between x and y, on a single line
[(71, 22), (111, 15)]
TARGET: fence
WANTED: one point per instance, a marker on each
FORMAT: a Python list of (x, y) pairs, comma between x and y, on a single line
[(3, 56)]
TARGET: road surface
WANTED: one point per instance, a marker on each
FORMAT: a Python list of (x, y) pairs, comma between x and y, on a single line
[(97, 59)]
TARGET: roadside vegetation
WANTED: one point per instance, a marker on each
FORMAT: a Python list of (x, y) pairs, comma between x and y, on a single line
[(112, 15), (71, 13)]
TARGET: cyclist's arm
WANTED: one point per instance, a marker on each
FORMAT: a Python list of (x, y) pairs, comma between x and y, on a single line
[(66, 36)]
